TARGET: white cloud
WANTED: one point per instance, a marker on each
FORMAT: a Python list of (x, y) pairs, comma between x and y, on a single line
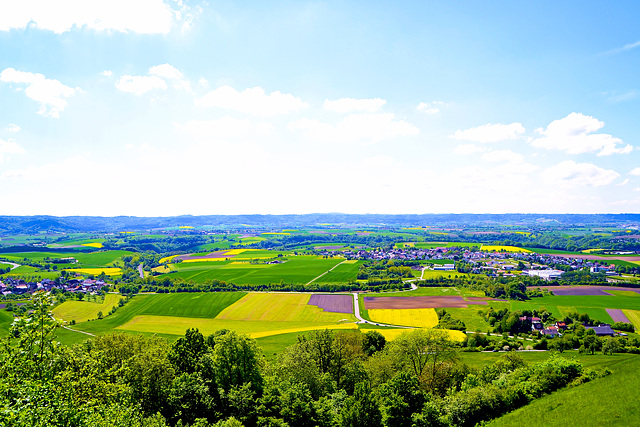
[(253, 101), (13, 128), (625, 182), (465, 149), (107, 73), (351, 105), (203, 82), (366, 128), (226, 127), (9, 147), (490, 133), (635, 172), (430, 107), (49, 93), (139, 16), (503, 156), (139, 85), (575, 135), (628, 46), (579, 174), (156, 79)]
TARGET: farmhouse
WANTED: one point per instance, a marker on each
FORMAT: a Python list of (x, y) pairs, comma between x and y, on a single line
[(603, 330), (544, 274)]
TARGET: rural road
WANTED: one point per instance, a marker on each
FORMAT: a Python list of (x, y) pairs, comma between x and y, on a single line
[(356, 311), (12, 264), (140, 271)]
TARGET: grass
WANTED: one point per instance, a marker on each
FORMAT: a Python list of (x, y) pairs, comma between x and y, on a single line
[(343, 273), (417, 317), (634, 317), (606, 401), (81, 311), (297, 269)]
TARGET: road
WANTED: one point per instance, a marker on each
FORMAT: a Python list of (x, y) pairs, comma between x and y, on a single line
[(141, 271), (12, 264), (356, 312)]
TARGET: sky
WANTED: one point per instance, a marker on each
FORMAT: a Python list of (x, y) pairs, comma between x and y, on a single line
[(176, 107)]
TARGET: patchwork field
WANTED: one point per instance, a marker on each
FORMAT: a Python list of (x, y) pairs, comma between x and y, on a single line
[(421, 302), (417, 317), (296, 269)]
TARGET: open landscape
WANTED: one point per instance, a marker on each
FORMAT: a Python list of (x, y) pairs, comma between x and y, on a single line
[(319, 213)]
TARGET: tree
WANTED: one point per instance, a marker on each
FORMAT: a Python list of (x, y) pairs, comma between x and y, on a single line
[(361, 409), (372, 342), (237, 360), (186, 351)]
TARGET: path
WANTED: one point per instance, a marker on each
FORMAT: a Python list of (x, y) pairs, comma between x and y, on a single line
[(326, 272), (141, 271), (12, 264), (75, 330)]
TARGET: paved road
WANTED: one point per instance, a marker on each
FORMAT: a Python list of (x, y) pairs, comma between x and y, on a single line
[(356, 311), (12, 264)]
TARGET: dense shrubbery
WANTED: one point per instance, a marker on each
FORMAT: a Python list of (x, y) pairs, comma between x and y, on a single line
[(325, 379)]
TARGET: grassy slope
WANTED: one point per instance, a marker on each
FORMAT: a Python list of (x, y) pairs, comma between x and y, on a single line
[(81, 311), (605, 401)]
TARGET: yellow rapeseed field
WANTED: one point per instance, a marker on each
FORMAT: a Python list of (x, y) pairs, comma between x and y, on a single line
[(500, 248), (97, 245), (304, 329), (109, 271), (392, 334), (167, 259), (418, 317)]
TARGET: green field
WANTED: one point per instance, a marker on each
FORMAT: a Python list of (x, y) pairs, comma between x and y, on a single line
[(81, 311), (295, 269), (608, 401), (343, 273)]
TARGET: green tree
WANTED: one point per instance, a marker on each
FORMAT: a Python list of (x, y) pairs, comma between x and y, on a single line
[(237, 360), (361, 409)]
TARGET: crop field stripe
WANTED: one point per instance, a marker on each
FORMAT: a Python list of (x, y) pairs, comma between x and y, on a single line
[(280, 307), (634, 317), (417, 317), (178, 325)]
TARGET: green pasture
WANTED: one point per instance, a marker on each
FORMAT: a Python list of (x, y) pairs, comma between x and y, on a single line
[(85, 259), (299, 269), (608, 401), (81, 311), (343, 273)]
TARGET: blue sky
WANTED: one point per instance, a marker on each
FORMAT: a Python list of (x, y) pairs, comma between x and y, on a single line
[(185, 107)]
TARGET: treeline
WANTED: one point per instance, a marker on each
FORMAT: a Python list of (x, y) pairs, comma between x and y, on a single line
[(166, 284), (325, 379)]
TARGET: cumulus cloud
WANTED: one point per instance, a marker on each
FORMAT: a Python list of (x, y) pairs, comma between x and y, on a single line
[(575, 135), (254, 101), (157, 79), (490, 133), (49, 93), (9, 147), (503, 156), (351, 105), (13, 128), (225, 127), (635, 172), (140, 16), (366, 128), (139, 85), (579, 174), (430, 107), (107, 73), (465, 149)]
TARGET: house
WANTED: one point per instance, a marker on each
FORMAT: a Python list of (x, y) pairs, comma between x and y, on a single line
[(544, 274), (561, 326), (444, 267), (551, 332), (603, 330)]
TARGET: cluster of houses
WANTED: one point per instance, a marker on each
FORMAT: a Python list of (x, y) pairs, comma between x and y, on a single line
[(557, 329), (11, 285)]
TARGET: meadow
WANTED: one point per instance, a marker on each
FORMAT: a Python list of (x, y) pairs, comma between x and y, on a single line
[(295, 269), (606, 401)]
